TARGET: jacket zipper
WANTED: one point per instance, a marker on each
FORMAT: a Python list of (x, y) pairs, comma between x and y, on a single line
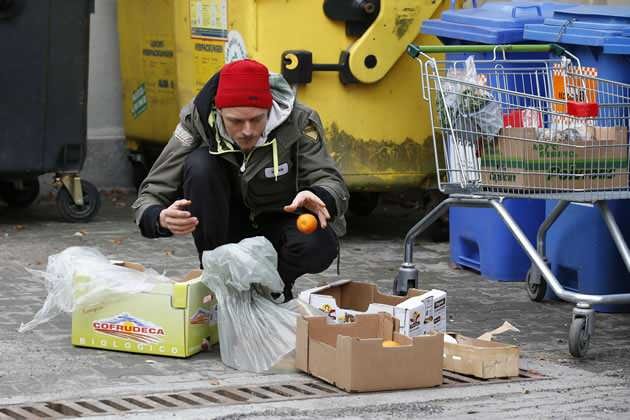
[(274, 158)]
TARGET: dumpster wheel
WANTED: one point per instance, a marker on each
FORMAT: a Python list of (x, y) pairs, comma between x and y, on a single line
[(73, 211), (22, 196), (363, 203)]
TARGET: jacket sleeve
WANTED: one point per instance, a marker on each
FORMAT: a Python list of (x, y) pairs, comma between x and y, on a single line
[(163, 183), (317, 170)]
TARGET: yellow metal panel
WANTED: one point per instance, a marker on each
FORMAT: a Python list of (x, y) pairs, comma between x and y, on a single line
[(200, 54), (148, 68), (379, 133)]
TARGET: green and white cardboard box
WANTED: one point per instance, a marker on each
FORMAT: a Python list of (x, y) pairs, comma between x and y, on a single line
[(518, 159), (172, 319)]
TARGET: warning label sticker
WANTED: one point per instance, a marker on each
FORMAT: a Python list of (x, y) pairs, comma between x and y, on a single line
[(208, 19), (138, 101)]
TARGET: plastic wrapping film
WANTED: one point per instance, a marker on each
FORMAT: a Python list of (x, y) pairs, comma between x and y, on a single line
[(81, 275), (474, 114), (255, 333), (473, 110)]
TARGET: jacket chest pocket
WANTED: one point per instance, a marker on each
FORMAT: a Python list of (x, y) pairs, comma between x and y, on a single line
[(270, 183)]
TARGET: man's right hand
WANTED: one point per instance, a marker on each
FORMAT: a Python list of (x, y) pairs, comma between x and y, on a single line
[(178, 220)]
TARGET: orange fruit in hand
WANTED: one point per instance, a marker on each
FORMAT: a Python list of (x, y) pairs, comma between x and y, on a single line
[(306, 223)]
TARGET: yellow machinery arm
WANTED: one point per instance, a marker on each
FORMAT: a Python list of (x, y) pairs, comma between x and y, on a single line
[(397, 24), (383, 29)]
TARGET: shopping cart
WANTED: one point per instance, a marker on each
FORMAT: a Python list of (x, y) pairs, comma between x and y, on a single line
[(541, 128)]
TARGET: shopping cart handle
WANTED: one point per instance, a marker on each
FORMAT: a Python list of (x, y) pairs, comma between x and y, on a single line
[(415, 50)]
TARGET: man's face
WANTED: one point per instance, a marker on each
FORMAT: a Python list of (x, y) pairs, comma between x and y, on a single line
[(244, 124)]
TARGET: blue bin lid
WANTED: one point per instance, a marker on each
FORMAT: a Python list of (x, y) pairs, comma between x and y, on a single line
[(569, 34), (587, 24), (617, 45), (492, 23), (471, 33), (596, 14), (595, 26)]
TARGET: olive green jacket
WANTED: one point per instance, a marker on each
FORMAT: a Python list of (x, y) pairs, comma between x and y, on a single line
[(292, 158)]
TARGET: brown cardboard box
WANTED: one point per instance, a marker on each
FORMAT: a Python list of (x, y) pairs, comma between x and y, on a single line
[(517, 159), (352, 357), (481, 358), (420, 312)]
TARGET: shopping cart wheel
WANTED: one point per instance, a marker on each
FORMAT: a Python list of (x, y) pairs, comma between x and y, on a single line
[(536, 284), (579, 337), (70, 211)]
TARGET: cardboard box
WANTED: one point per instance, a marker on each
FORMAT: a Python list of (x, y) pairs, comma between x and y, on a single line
[(517, 159), (481, 358), (420, 312), (169, 320), (438, 299), (351, 356)]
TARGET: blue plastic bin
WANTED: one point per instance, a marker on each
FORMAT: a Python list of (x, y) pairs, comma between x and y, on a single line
[(579, 247), (478, 237), (480, 240), (583, 255)]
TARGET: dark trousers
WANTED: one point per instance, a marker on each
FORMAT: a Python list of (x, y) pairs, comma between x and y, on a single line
[(212, 184)]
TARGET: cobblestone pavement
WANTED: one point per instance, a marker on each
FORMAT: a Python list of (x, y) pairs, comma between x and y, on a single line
[(43, 364)]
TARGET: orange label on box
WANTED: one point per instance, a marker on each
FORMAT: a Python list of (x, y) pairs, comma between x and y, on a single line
[(573, 84)]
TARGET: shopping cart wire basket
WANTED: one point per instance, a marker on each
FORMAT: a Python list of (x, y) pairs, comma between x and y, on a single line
[(526, 128)]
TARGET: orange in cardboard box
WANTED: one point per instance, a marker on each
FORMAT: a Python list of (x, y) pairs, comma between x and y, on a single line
[(352, 357)]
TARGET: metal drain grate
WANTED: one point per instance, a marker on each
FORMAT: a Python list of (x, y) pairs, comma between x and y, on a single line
[(208, 397), (171, 400), (451, 379)]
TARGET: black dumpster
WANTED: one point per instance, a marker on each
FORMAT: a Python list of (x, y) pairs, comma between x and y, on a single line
[(44, 50)]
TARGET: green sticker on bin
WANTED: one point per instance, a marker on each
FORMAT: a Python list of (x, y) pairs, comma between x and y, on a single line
[(138, 101)]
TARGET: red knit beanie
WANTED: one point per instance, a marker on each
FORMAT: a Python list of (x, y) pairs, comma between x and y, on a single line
[(243, 83)]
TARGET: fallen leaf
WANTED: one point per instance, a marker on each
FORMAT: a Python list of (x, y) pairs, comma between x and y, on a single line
[(83, 231), (116, 241), (168, 252), (19, 227)]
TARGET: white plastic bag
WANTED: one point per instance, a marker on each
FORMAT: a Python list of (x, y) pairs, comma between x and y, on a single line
[(474, 114), (472, 107), (255, 334), (101, 279)]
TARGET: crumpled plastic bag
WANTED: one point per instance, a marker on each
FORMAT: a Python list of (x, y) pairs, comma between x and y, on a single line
[(255, 333), (100, 280), (475, 115), (472, 108)]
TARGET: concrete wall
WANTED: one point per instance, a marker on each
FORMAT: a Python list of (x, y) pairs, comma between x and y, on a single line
[(106, 165)]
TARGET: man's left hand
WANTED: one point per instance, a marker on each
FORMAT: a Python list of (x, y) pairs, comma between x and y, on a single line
[(311, 202)]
